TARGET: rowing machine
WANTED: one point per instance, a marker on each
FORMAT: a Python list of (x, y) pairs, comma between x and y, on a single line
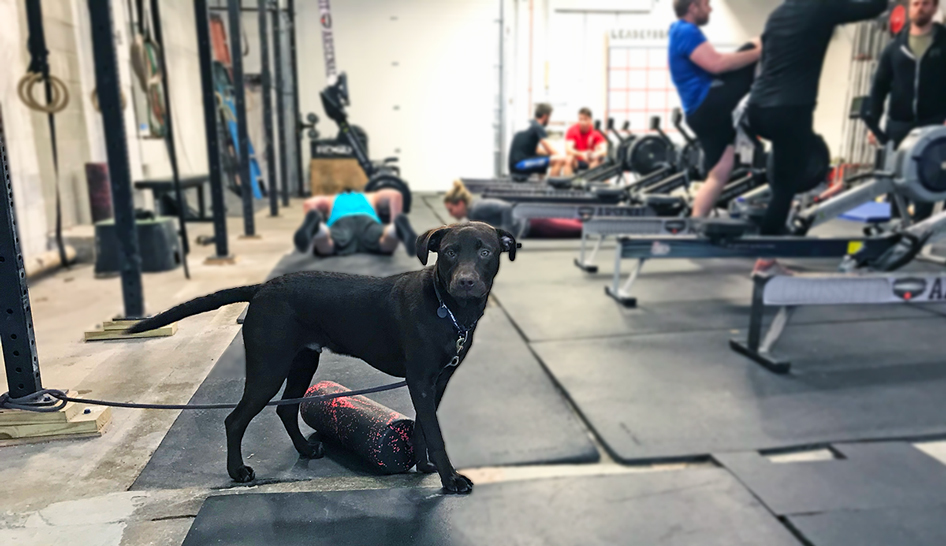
[(916, 169)]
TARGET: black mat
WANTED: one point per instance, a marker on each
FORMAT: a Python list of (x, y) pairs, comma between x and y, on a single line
[(866, 476), (674, 296), (881, 527), (704, 507), (873, 494), (658, 397), (500, 409)]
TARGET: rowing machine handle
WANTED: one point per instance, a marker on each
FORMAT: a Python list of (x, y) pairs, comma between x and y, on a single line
[(677, 117), (864, 115)]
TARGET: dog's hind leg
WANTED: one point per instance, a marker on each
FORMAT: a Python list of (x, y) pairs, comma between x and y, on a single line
[(267, 366), (300, 375)]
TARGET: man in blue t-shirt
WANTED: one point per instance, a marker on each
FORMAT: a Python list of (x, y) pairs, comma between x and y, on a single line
[(711, 84)]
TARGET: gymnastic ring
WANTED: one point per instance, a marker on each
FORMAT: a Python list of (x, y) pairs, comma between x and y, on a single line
[(58, 91)]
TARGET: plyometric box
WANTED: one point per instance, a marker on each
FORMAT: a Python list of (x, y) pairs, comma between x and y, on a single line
[(329, 176)]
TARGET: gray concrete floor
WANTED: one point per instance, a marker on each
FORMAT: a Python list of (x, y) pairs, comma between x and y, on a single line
[(75, 492)]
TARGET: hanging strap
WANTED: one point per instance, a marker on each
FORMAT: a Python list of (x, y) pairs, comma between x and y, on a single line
[(39, 64)]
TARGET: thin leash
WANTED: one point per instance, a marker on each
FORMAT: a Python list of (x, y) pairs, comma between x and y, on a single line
[(51, 400)]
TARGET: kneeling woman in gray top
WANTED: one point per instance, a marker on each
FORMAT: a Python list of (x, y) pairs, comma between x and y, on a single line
[(498, 213)]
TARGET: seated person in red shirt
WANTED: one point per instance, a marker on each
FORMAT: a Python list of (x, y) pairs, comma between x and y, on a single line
[(586, 148)]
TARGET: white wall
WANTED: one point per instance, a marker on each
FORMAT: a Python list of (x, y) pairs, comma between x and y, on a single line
[(568, 62), (423, 81), (19, 140)]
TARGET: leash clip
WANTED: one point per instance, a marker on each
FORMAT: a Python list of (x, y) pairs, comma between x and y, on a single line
[(461, 342)]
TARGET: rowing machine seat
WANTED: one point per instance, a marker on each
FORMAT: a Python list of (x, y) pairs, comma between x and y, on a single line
[(723, 228), (610, 195), (665, 205), (559, 183)]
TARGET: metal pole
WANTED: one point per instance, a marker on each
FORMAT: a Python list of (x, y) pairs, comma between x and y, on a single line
[(295, 94), (501, 130), (169, 137), (211, 129), (239, 96), (268, 109), (280, 105), (16, 320), (116, 145)]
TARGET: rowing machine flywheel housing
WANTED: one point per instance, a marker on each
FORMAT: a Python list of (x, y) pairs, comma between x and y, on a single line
[(919, 165)]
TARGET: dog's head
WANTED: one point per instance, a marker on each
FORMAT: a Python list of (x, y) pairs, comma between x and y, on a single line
[(467, 256)]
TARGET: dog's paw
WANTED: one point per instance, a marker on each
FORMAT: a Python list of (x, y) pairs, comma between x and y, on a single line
[(314, 449), (426, 467), (457, 484), (244, 474)]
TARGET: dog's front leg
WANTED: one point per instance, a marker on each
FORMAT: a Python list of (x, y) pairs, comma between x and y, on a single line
[(424, 396), (420, 444)]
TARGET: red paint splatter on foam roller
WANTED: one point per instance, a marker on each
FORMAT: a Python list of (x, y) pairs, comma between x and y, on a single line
[(377, 434)]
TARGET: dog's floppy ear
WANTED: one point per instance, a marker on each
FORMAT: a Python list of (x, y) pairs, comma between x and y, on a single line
[(508, 243), (429, 242)]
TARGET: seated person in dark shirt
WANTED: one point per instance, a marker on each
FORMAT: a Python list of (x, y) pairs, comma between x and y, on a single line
[(350, 223), (531, 153), (498, 213)]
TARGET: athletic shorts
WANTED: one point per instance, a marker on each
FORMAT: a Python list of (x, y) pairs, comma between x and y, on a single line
[(533, 165), (712, 121), (355, 234)]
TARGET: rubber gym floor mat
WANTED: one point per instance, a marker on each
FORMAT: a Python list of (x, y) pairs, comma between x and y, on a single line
[(704, 507), (681, 396), (550, 299), (501, 408), (881, 527), (862, 477), (872, 494)]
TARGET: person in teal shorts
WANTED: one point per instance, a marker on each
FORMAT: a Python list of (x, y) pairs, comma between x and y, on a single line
[(351, 223)]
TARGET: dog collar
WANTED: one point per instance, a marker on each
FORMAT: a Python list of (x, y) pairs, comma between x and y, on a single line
[(463, 333), (444, 312)]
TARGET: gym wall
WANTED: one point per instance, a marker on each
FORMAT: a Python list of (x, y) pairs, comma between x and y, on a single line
[(18, 127), (569, 59), (423, 79)]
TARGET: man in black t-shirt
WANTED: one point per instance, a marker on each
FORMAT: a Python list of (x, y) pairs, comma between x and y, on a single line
[(783, 97), (531, 152)]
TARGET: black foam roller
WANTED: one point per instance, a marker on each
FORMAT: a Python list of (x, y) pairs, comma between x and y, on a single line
[(378, 435)]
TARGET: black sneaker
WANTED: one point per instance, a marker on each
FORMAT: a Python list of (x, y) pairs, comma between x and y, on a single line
[(406, 233), (310, 226)]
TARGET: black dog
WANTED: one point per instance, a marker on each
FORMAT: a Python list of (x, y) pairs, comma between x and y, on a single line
[(416, 325)]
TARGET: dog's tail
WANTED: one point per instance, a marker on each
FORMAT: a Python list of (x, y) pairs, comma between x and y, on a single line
[(195, 307)]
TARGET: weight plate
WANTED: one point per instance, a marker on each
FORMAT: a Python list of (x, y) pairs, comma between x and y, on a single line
[(898, 18), (388, 181)]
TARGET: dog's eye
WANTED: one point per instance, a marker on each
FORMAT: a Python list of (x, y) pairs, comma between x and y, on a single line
[(450, 253), (485, 253)]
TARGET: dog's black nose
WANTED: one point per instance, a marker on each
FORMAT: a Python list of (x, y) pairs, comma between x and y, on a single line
[(466, 282)]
